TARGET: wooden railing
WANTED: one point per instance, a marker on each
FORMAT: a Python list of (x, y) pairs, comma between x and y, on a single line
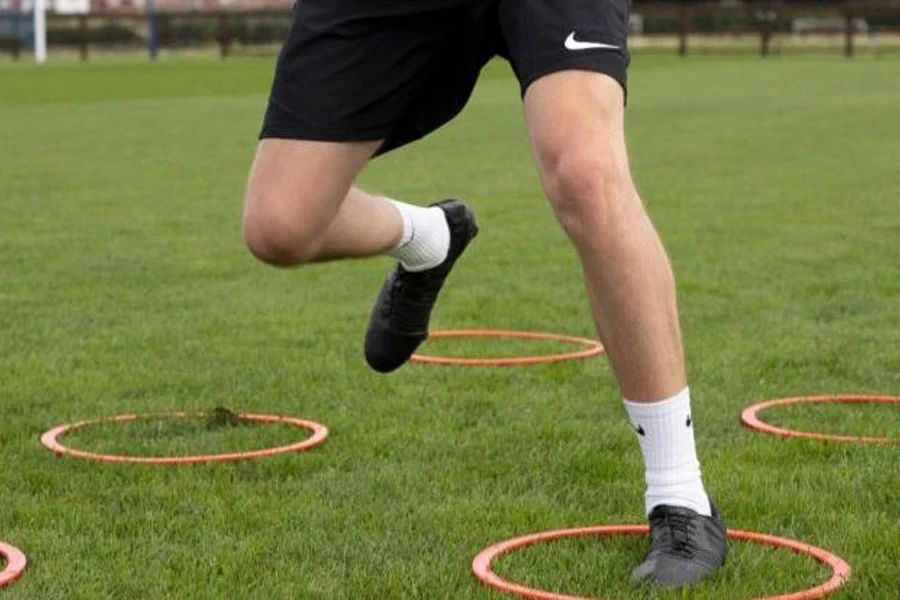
[(762, 17)]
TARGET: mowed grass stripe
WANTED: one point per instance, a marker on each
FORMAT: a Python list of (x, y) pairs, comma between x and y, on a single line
[(124, 287)]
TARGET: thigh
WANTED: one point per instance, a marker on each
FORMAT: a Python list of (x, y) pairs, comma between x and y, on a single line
[(575, 108), (576, 126), (360, 70), (548, 36), (302, 183)]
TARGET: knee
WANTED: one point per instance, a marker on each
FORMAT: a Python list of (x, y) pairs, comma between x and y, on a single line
[(275, 237), (590, 190)]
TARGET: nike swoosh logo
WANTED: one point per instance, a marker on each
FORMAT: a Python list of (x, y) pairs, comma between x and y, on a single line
[(573, 44)]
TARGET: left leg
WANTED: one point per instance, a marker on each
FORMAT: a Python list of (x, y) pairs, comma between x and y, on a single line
[(575, 121), (576, 124), (570, 57)]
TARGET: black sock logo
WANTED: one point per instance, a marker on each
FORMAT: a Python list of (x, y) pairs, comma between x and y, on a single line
[(689, 421), (640, 430)]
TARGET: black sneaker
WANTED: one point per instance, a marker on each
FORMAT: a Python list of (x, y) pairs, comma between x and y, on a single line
[(399, 321), (684, 547)]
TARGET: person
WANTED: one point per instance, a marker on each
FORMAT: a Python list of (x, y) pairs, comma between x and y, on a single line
[(358, 78)]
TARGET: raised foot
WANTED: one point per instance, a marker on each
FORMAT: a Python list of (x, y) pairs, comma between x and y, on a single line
[(400, 317)]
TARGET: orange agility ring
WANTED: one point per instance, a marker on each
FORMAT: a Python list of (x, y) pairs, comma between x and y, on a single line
[(50, 439), (481, 566), (15, 564), (592, 348), (750, 417)]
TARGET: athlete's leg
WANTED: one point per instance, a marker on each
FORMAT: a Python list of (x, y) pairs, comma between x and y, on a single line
[(576, 124), (575, 120), (352, 79), (300, 206), (401, 315)]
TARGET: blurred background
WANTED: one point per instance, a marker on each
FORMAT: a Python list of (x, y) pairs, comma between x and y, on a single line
[(159, 27)]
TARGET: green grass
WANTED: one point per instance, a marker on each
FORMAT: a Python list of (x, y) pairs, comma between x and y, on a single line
[(596, 565), (124, 288), (873, 420), (495, 347), (182, 436)]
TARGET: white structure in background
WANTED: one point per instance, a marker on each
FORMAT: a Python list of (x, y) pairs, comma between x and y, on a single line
[(63, 7), (39, 9), (802, 25), (40, 31), (833, 25), (70, 7), (636, 24)]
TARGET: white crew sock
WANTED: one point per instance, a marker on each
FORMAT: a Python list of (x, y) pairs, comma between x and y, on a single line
[(666, 434), (426, 237)]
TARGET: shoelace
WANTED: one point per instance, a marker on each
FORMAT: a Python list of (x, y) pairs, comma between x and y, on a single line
[(418, 296), (677, 533)]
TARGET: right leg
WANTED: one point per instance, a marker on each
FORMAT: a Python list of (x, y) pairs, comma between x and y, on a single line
[(344, 88), (355, 78), (300, 206)]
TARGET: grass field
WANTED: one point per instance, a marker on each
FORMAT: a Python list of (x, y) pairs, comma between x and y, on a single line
[(124, 287)]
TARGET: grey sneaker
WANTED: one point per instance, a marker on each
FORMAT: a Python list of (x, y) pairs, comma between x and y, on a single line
[(684, 547)]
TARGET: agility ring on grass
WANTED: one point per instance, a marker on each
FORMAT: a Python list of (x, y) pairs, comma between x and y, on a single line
[(481, 566), (50, 439), (15, 564), (591, 348), (750, 417)]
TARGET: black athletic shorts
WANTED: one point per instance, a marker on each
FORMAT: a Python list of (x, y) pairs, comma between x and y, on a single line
[(363, 70)]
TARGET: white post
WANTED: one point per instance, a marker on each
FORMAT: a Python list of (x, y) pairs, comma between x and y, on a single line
[(40, 31)]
